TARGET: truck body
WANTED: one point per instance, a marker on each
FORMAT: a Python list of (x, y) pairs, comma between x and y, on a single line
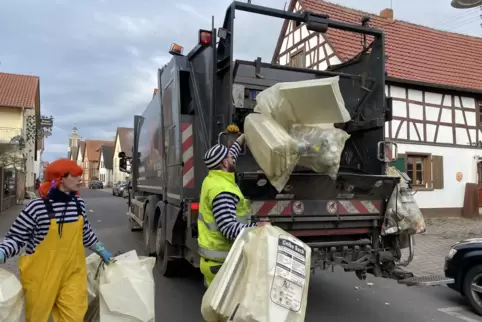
[(201, 93)]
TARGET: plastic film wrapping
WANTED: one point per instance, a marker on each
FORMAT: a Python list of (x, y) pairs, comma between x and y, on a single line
[(11, 297), (265, 278), (320, 147), (402, 212), (316, 101), (275, 151)]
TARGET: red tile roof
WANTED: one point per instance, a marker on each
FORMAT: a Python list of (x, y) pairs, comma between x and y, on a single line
[(415, 52), (18, 90), (92, 149)]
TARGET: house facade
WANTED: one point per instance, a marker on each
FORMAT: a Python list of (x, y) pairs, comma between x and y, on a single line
[(91, 159), (21, 147), (105, 164), (124, 140), (436, 89)]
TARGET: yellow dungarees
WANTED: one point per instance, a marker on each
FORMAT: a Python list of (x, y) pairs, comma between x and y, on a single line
[(54, 277)]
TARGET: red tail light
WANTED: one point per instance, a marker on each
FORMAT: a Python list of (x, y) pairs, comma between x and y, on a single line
[(205, 37), (194, 207)]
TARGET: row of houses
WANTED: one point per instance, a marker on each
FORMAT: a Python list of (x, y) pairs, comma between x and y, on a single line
[(99, 158), (435, 80), (21, 132)]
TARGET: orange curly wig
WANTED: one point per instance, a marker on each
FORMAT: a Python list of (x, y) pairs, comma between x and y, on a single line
[(56, 171)]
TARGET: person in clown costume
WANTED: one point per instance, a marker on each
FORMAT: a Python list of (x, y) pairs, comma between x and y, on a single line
[(54, 230)]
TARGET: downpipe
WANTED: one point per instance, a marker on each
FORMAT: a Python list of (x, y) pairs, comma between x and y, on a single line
[(410, 254)]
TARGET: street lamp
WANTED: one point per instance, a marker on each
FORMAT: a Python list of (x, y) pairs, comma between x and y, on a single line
[(466, 4)]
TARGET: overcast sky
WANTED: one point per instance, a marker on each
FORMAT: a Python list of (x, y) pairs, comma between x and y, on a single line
[(97, 59)]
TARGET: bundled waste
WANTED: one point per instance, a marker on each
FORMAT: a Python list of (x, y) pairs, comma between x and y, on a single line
[(265, 278), (295, 127), (11, 297), (402, 213), (124, 289)]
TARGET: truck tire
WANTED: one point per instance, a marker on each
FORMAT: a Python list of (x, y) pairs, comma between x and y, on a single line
[(148, 232), (164, 265), (473, 276)]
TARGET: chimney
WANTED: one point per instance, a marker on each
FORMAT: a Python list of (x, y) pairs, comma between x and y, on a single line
[(387, 14)]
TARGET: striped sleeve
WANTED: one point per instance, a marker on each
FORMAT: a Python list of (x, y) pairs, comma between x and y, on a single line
[(89, 237), (21, 231), (235, 150), (224, 212)]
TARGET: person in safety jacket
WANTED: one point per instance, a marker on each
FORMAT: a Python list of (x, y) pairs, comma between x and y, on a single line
[(223, 210), (54, 231)]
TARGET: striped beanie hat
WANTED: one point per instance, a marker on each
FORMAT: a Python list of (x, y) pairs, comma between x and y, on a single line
[(215, 155)]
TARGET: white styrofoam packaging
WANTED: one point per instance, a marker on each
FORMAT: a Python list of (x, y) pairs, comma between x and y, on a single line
[(265, 278), (309, 102), (275, 151), (126, 289), (11, 297)]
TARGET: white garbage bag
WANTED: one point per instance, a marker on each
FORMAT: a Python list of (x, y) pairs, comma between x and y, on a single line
[(320, 147), (265, 278), (94, 265), (11, 297), (126, 289)]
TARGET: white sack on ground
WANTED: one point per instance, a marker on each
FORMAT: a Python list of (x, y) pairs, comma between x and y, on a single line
[(265, 279), (126, 289), (316, 101), (275, 151), (11, 297), (320, 148)]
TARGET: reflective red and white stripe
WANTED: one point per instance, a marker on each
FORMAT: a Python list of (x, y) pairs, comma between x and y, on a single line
[(271, 207), (187, 155), (352, 207)]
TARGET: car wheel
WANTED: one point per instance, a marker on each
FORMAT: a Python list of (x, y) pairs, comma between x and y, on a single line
[(473, 288)]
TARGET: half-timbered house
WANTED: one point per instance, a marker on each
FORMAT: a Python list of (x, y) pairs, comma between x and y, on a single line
[(435, 80)]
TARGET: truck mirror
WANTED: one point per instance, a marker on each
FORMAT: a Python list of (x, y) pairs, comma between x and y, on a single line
[(122, 164), (121, 155)]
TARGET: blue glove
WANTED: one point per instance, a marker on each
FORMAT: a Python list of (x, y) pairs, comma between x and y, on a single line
[(2, 257), (99, 249)]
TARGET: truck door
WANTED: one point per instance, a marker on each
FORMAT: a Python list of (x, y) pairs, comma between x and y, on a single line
[(171, 130)]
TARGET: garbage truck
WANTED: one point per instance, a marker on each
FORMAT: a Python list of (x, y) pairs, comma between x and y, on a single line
[(202, 92)]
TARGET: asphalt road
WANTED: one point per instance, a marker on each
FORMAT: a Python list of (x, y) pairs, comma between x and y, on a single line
[(333, 296)]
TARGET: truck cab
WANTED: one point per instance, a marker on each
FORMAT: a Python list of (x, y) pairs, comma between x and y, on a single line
[(204, 91)]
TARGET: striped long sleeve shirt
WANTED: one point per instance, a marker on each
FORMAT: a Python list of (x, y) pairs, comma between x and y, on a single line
[(224, 207), (32, 225)]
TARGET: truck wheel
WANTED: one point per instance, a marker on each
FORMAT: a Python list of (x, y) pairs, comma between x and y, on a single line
[(473, 288), (164, 265), (147, 232)]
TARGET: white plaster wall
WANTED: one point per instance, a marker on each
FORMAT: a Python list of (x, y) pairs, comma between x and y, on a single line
[(454, 160), (443, 109)]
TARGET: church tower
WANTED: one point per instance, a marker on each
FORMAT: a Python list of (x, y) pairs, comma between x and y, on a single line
[(74, 139)]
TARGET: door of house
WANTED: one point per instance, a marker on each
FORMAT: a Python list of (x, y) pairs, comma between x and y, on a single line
[(479, 176)]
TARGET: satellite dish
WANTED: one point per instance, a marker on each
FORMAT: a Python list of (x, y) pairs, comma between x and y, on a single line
[(466, 4)]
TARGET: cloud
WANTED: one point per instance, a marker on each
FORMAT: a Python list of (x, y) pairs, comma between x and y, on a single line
[(97, 60)]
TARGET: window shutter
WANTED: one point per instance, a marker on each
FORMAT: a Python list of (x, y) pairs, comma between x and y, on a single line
[(438, 171), (399, 163)]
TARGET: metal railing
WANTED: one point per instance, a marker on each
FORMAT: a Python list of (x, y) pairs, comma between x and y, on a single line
[(8, 133)]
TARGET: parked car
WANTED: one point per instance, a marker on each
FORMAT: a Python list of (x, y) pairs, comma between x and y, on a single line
[(464, 264), (118, 188), (126, 189), (96, 184)]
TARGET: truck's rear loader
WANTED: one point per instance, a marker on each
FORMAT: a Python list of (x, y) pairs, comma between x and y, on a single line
[(340, 219)]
